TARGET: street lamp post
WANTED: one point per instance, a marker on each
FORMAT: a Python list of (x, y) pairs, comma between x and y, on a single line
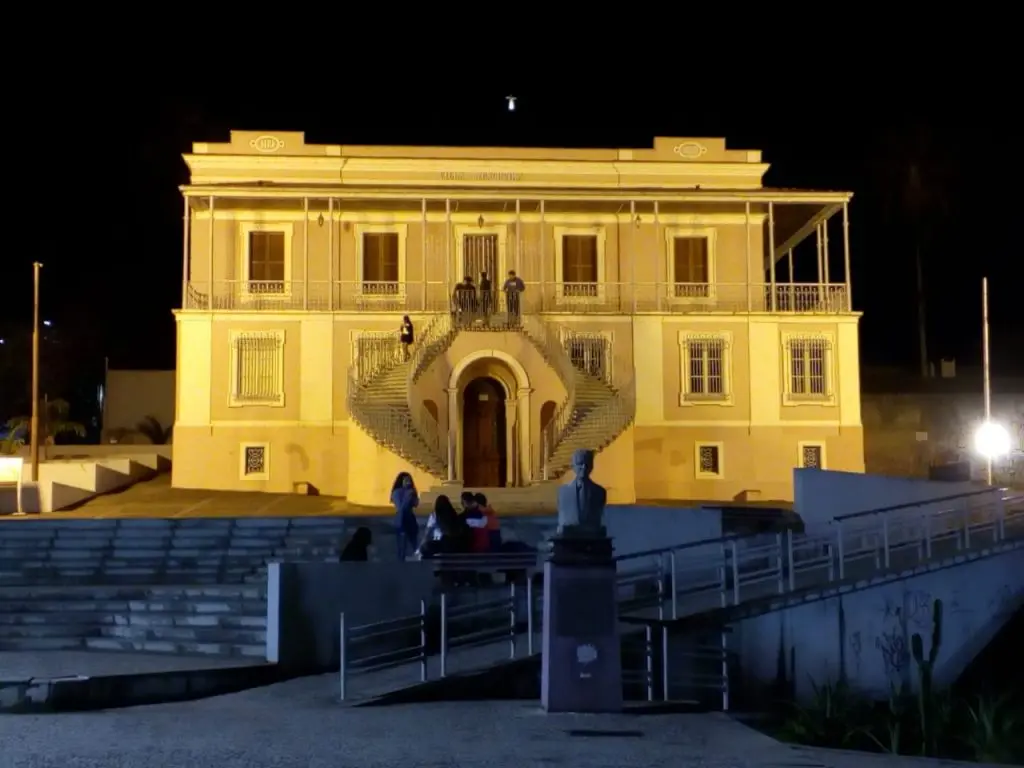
[(985, 369), (34, 426), (992, 440)]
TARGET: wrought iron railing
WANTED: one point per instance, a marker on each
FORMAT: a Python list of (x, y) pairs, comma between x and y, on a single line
[(547, 337), (553, 297)]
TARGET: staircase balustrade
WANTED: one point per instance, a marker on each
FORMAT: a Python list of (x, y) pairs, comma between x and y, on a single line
[(393, 426), (434, 339), (547, 338)]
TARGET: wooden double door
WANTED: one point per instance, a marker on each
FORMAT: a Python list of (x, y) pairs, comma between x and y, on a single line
[(484, 438)]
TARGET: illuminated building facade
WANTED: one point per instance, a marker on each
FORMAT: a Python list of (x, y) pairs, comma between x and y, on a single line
[(660, 320)]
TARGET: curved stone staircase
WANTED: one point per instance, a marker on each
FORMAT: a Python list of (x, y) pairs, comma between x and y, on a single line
[(592, 414), (378, 401)]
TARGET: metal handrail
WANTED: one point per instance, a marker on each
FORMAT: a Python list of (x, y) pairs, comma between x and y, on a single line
[(751, 568), (739, 537), (507, 606), (493, 561), (376, 631), (913, 504)]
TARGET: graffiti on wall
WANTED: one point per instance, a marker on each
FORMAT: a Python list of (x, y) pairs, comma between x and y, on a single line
[(901, 619)]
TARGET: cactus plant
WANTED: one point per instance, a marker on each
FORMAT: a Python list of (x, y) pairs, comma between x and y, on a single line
[(926, 674)]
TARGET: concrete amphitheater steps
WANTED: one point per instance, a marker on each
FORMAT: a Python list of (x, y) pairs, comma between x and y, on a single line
[(216, 620)]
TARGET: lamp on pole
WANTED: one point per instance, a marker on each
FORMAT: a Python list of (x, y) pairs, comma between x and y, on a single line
[(34, 427), (992, 440), (987, 381)]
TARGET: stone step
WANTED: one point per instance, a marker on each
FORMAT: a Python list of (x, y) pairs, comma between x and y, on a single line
[(28, 617), (185, 634), (253, 651), (13, 631), (41, 643)]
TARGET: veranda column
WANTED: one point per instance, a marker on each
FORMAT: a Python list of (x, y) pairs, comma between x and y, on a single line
[(818, 279), (846, 256), (305, 253), (771, 251), (423, 246), (519, 246), (658, 252), (543, 257), (448, 246), (209, 258), (186, 221), (330, 254), (746, 249), (824, 250), (632, 254)]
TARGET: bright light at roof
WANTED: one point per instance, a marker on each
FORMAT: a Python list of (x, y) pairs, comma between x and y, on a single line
[(47, 323), (511, 103), (992, 440)]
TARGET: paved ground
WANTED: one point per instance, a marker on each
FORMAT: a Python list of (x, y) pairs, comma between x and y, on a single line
[(21, 665), (266, 728), (156, 498)]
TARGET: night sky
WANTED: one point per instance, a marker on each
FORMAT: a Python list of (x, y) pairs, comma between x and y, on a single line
[(110, 238)]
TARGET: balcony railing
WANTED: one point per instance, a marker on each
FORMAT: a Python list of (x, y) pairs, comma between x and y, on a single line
[(568, 298)]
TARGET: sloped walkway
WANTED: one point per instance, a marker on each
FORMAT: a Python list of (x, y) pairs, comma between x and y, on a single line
[(273, 727)]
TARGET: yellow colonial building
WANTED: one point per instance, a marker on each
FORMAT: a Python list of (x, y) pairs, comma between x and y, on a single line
[(654, 315)]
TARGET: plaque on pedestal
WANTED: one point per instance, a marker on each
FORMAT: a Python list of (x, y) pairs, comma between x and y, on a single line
[(582, 656)]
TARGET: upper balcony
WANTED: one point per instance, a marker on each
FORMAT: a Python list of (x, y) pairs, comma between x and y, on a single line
[(556, 298)]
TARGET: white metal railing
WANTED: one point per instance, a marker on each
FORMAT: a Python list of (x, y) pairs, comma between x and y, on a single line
[(361, 645), (376, 352), (548, 297), (729, 571), (393, 426), (720, 573), (596, 428), (405, 640), (430, 342), (548, 338)]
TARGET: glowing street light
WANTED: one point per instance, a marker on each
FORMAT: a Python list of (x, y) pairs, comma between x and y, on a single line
[(511, 103), (992, 440)]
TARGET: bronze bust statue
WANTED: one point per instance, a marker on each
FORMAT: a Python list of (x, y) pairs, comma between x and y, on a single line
[(581, 503)]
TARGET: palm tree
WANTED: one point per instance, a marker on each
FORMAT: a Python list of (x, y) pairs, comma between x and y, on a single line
[(53, 421), (151, 428), (917, 179)]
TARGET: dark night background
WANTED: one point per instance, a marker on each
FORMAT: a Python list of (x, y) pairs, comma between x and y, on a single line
[(110, 235)]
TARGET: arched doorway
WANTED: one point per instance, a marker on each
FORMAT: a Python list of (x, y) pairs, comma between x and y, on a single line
[(484, 444)]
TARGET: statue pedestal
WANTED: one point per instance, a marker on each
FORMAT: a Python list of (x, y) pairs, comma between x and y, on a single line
[(582, 654)]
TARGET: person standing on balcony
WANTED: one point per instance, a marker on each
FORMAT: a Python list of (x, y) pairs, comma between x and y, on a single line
[(486, 297), (465, 301), (405, 335), (405, 500), (513, 288)]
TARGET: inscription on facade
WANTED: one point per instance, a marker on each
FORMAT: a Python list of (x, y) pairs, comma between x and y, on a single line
[(481, 176)]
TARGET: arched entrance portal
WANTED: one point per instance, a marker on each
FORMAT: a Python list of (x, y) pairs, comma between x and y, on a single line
[(484, 435)]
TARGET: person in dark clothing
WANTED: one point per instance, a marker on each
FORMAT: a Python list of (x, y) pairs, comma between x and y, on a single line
[(464, 301), (473, 516), (358, 547), (446, 533), (405, 500), (486, 296), (513, 289), (405, 335)]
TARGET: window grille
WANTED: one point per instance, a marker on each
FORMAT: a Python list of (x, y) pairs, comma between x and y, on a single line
[(259, 362), (808, 367), (706, 364), (709, 460)]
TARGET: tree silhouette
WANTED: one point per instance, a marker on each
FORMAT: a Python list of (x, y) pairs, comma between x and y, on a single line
[(917, 178)]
